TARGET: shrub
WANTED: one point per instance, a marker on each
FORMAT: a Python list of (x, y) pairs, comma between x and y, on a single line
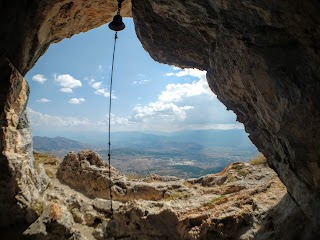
[(216, 200), (38, 207), (179, 195), (259, 159), (50, 163), (44, 158)]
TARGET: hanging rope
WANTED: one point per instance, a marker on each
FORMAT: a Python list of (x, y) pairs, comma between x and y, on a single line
[(116, 25), (109, 125)]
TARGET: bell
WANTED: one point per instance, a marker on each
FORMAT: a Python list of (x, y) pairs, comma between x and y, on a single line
[(117, 24)]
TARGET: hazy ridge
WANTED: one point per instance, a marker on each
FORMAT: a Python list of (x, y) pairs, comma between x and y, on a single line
[(182, 154)]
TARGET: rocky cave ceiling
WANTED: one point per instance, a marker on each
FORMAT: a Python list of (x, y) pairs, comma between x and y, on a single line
[(261, 57)]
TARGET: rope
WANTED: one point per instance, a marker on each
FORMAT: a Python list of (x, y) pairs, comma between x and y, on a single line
[(110, 104)]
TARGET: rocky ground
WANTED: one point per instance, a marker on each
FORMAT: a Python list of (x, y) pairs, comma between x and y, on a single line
[(244, 201)]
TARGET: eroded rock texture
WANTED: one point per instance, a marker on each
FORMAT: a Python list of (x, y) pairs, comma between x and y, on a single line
[(243, 201), (88, 173), (262, 59), (27, 30), (18, 179)]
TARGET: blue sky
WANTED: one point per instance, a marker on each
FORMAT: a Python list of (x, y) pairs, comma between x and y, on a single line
[(70, 84)]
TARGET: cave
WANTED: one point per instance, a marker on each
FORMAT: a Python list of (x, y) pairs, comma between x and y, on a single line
[(262, 60)]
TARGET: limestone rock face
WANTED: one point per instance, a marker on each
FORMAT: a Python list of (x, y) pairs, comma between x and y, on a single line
[(54, 223), (39, 23), (18, 178), (256, 207), (87, 172), (27, 30), (262, 61), (244, 201)]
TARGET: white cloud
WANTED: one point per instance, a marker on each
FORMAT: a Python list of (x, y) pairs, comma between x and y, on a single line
[(67, 82), (39, 119), (178, 92), (169, 74), (96, 85), (66, 90), (116, 120), (76, 100), (100, 89), (100, 68), (39, 78), (140, 75), (185, 106), (160, 111), (141, 81), (43, 100), (187, 72)]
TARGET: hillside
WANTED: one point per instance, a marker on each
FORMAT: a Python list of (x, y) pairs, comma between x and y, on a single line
[(181, 154), (47, 144), (243, 201)]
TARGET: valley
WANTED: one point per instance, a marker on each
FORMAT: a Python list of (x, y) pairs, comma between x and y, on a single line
[(184, 155)]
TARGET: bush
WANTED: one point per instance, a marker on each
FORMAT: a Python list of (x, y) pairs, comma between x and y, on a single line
[(49, 163), (216, 200), (179, 195), (44, 158), (259, 159), (38, 207)]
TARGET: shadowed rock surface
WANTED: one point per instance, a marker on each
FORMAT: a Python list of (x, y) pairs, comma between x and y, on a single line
[(262, 59), (242, 202)]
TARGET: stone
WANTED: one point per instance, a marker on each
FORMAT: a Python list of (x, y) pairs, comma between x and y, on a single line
[(98, 233), (262, 61), (252, 203), (19, 181), (261, 57), (16, 160), (91, 177), (89, 217), (77, 215), (55, 222), (105, 205)]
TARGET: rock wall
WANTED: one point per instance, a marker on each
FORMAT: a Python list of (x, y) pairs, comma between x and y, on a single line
[(88, 173), (262, 61), (27, 30), (18, 179), (244, 201)]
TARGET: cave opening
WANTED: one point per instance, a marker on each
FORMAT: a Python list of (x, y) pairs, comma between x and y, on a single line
[(165, 120), (277, 78)]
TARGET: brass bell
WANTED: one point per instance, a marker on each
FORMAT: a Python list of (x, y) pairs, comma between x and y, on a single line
[(117, 24)]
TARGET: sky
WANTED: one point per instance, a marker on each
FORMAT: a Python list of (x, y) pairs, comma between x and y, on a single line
[(70, 89)]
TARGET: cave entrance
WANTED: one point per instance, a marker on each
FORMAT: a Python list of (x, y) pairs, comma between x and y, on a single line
[(165, 119)]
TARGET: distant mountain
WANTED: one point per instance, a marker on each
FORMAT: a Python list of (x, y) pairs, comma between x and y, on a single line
[(193, 140), (217, 138), (184, 154), (206, 138), (57, 144)]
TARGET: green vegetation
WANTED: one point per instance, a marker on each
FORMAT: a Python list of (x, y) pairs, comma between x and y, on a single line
[(134, 177), (38, 207), (259, 159), (179, 195), (243, 172), (44, 158), (50, 163), (189, 184), (216, 200)]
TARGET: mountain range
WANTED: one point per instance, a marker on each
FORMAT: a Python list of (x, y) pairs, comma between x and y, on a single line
[(216, 138)]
